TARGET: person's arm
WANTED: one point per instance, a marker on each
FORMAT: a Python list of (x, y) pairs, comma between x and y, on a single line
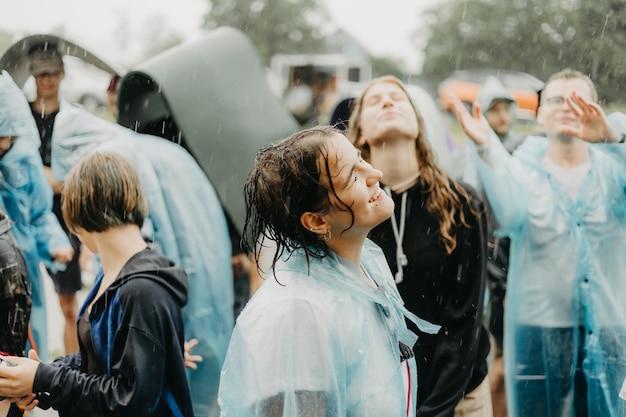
[(136, 379), (72, 361), (502, 176), (52, 242), (135, 385), (457, 350)]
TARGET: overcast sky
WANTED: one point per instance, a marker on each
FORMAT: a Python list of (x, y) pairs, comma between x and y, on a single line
[(118, 28)]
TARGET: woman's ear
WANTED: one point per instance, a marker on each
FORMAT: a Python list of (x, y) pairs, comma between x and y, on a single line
[(315, 223)]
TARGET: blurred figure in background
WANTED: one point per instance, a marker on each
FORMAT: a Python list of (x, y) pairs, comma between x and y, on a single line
[(48, 70), (435, 244), (561, 201), (185, 221), (112, 95), (27, 199)]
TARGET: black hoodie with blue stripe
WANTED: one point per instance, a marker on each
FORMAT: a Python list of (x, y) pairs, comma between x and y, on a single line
[(131, 351)]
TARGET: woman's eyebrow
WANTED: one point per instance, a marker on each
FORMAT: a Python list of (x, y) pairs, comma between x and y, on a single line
[(352, 168)]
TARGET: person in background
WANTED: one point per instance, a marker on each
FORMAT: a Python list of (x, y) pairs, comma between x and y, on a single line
[(27, 199), (435, 244), (561, 201), (47, 68), (184, 210), (131, 324), (112, 95)]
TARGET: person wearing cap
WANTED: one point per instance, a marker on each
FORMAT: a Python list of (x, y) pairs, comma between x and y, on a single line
[(497, 105), (47, 68)]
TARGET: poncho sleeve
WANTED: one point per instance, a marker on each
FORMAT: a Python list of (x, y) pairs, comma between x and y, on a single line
[(504, 180), (286, 364), (47, 231)]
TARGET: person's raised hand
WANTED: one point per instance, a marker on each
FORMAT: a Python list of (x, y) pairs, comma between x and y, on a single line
[(592, 123), (474, 125)]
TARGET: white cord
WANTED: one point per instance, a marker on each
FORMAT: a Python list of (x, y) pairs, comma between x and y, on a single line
[(398, 234)]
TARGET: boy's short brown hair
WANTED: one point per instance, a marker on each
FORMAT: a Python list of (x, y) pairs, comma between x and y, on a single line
[(570, 74), (101, 192)]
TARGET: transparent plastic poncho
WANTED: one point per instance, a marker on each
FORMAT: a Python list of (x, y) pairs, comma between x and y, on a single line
[(186, 222), (27, 201), (320, 340), (565, 317)]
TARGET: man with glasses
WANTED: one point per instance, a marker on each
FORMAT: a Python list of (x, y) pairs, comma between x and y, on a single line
[(47, 68), (562, 201)]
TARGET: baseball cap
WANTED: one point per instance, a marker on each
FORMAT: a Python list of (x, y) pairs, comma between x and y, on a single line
[(42, 61)]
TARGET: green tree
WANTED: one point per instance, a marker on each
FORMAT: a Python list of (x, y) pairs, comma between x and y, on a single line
[(274, 26), (535, 36)]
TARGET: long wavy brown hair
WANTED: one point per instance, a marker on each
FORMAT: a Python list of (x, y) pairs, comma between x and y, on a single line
[(446, 197)]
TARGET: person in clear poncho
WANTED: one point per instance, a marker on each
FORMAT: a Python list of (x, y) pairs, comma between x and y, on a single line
[(185, 221), (325, 335), (26, 198), (562, 201)]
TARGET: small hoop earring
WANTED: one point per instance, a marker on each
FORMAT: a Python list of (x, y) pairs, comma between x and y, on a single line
[(326, 236)]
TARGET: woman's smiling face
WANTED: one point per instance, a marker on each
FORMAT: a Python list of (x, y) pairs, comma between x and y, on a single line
[(356, 184)]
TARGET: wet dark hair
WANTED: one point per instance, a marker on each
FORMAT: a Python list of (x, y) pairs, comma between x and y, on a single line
[(284, 184)]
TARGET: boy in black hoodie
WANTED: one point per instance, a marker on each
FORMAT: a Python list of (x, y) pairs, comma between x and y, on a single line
[(130, 328)]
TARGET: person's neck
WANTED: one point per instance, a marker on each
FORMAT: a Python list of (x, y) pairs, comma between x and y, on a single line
[(397, 159), (567, 152), (47, 105), (348, 246), (116, 246)]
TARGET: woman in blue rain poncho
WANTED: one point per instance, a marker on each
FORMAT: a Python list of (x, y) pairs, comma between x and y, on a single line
[(325, 335), (562, 201), (27, 199), (185, 221)]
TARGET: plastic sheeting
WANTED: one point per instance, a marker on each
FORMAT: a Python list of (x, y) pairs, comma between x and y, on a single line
[(186, 221), (319, 340), (565, 324)]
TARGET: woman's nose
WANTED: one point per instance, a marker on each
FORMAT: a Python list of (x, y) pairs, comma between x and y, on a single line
[(374, 176)]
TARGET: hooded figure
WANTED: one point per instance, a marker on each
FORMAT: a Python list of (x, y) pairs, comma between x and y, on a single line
[(27, 200), (185, 221), (566, 278), (491, 94)]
